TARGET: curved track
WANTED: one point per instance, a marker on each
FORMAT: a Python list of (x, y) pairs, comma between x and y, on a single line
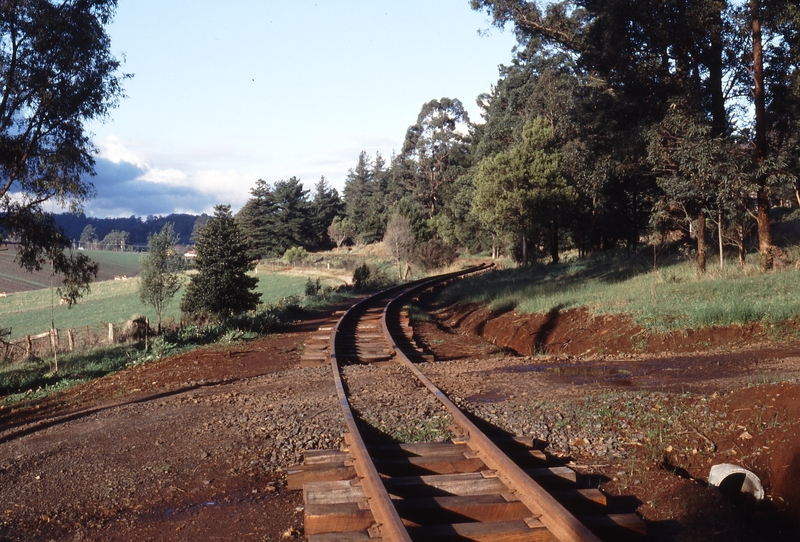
[(465, 489)]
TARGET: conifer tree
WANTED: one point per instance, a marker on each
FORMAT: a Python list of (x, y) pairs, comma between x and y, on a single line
[(222, 287)]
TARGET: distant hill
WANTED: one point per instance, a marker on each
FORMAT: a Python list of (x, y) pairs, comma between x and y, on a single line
[(138, 228)]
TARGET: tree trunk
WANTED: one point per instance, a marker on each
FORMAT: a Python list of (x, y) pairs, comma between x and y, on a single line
[(721, 248), (740, 244), (762, 196), (554, 241), (525, 250), (701, 243)]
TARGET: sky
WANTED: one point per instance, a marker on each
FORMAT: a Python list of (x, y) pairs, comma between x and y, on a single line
[(226, 93)]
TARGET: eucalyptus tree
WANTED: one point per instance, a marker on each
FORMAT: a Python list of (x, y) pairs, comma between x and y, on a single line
[(435, 152), (162, 271), (57, 74)]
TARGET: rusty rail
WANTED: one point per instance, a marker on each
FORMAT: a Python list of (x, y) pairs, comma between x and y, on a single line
[(355, 473), (389, 523), (552, 514)]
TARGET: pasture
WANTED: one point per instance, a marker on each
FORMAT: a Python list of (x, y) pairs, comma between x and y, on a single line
[(14, 279), (113, 302)]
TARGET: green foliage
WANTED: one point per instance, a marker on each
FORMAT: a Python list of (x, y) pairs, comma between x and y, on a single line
[(360, 276), (58, 73), (364, 196), (221, 287), (313, 287), (435, 152), (522, 193), (280, 217), (295, 255), (341, 230), (161, 277)]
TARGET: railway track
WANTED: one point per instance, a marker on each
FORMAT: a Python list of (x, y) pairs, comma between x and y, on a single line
[(471, 487)]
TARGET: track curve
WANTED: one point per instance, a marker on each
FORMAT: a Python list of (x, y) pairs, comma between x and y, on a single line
[(472, 490)]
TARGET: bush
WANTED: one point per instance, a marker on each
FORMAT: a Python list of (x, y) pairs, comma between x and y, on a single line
[(434, 254), (313, 288), (295, 255), (360, 276)]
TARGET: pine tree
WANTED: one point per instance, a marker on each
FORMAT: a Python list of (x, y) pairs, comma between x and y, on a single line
[(521, 193), (325, 206), (221, 287)]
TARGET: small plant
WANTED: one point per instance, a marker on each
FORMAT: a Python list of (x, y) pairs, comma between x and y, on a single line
[(313, 288), (360, 276)]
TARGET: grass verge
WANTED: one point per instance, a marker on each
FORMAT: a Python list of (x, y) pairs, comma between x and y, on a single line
[(671, 298)]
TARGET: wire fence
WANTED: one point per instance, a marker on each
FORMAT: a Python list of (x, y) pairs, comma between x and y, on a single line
[(43, 345)]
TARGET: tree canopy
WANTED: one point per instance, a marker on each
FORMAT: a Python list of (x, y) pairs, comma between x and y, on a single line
[(57, 74)]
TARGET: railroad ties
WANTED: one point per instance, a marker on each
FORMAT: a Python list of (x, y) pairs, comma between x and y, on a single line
[(462, 489)]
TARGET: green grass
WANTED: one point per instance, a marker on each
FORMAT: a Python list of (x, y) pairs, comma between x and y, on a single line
[(672, 298), (112, 302), (35, 379)]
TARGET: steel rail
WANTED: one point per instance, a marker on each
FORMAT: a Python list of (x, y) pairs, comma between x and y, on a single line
[(562, 524), (388, 521)]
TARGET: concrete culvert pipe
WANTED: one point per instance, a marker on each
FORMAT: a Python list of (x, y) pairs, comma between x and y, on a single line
[(735, 481)]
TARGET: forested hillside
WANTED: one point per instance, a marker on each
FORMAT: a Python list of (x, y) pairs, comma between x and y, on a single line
[(74, 225)]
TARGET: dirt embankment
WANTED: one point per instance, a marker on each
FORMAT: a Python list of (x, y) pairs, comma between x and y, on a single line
[(578, 333)]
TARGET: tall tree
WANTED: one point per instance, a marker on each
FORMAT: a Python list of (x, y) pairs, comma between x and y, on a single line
[(257, 219), (435, 152), (522, 192), (162, 267), (292, 226), (325, 206), (57, 73), (364, 192), (89, 236), (221, 287), (710, 53)]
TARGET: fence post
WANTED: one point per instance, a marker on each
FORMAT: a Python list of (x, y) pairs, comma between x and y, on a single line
[(111, 333), (28, 347), (70, 339)]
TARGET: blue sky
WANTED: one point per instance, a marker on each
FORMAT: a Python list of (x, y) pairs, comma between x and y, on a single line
[(226, 93)]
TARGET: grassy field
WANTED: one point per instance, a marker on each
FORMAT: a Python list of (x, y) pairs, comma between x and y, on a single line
[(15, 279), (112, 302), (672, 298)]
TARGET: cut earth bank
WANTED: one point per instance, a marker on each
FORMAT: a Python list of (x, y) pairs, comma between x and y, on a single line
[(195, 447)]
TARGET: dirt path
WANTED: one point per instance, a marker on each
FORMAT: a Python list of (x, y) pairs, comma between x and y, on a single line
[(194, 447)]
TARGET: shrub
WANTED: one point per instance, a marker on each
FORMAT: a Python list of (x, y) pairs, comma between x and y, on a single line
[(360, 276), (434, 254), (295, 255), (313, 288)]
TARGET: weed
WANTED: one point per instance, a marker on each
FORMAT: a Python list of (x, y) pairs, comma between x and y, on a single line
[(432, 430)]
